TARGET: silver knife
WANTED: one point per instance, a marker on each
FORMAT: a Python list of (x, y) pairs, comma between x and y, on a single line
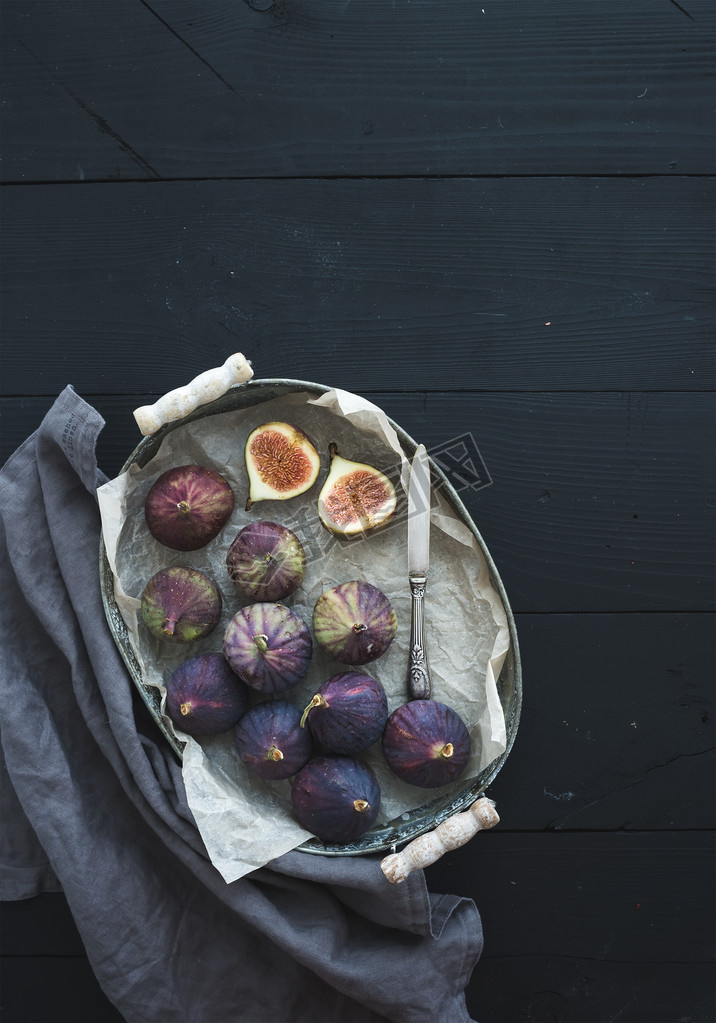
[(419, 687)]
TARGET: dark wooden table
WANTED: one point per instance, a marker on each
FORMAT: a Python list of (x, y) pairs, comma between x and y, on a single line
[(492, 219)]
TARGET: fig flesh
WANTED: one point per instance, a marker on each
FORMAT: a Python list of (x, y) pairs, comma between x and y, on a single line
[(281, 463), (205, 697), (355, 497), (188, 506), (180, 605), (355, 622), (348, 713), (268, 646), (266, 561), (270, 741), (336, 798), (426, 743)]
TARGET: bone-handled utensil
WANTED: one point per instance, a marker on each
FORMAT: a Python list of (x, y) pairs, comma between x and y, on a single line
[(451, 834), (208, 386), (419, 685)]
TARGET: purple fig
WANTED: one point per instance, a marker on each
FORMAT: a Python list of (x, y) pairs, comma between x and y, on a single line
[(205, 697), (348, 713), (180, 605), (270, 740), (426, 743), (355, 622), (268, 646), (266, 561), (335, 798), (188, 506)]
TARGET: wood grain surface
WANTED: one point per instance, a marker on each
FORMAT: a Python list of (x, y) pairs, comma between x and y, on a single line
[(493, 220), (157, 89), (513, 284)]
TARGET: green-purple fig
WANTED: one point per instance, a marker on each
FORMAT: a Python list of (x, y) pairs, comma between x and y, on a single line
[(335, 798), (355, 622), (205, 697), (188, 506), (180, 605), (348, 713), (426, 743), (266, 561), (270, 741), (268, 646)]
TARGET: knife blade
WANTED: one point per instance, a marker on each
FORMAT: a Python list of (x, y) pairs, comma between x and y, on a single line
[(419, 514), (419, 685)]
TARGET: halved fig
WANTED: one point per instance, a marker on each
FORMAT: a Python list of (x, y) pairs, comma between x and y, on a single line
[(281, 462), (355, 497)]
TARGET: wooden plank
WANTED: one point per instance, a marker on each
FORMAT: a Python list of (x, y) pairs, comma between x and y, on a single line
[(177, 88), (583, 925), (506, 988), (600, 502), (519, 284), (42, 926), (61, 989), (611, 896), (617, 726), (564, 990)]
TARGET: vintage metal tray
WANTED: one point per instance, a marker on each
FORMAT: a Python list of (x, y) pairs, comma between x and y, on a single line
[(414, 822)]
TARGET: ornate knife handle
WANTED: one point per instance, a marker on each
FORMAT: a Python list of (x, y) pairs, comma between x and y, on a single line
[(419, 687)]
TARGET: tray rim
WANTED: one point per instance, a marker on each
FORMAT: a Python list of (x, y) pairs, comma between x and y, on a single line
[(420, 819)]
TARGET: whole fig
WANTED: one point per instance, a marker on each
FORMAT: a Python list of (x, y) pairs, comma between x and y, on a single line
[(355, 622), (180, 605), (348, 713), (335, 798), (426, 743), (270, 741), (205, 697), (188, 506), (266, 561), (268, 646)]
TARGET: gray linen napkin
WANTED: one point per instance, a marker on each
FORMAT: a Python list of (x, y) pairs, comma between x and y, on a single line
[(93, 805)]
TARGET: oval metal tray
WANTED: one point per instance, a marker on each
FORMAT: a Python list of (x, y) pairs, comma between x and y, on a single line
[(414, 822)]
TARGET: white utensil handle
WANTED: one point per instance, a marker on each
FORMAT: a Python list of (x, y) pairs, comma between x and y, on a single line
[(451, 834), (205, 388)]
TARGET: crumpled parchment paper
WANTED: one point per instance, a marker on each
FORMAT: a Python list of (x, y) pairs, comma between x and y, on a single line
[(244, 821)]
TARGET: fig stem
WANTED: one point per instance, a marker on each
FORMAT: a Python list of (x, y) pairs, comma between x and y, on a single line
[(261, 642), (317, 701), (361, 805), (447, 751), (332, 450), (274, 754), (185, 708), (169, 626), (183, 507)]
